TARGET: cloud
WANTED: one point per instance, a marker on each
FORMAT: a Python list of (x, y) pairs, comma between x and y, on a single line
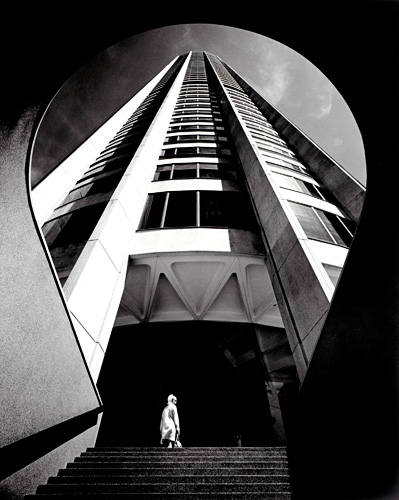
[(338, 141), (274, 72), (277, 82), (323, 101)]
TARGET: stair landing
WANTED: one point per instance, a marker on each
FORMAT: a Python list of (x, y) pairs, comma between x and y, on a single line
[(178, 473)]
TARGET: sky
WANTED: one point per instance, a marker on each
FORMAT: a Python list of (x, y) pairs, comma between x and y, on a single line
[(288, 81)]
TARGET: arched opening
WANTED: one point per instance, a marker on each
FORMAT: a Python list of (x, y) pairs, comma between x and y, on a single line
[(258, 402), (219, 403)]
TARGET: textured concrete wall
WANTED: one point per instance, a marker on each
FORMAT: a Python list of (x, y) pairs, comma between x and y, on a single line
[(25, 481), (44, 379), (302, 291)]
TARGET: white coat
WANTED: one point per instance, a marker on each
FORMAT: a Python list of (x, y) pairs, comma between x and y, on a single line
[(169, 422)]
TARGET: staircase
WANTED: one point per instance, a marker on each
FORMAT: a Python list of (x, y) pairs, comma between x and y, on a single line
[(178, 473)]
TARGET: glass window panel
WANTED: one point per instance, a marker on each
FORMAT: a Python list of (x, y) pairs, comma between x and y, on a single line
[(189, 127), (227, 171), (207, 151), (187, 138), (209, 171), (181, 209), (211, 211), (336, 228), (104, 185), (78, 225), (333, 272), (187, 151), (310, 223), (349, 224), (163, 173), (206, 127), (308, 188), (152, 216), (209, 137), (286, 182), (185, 171), (224, 209)]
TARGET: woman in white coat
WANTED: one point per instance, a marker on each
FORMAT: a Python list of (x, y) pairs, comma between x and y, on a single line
[(170, 427)]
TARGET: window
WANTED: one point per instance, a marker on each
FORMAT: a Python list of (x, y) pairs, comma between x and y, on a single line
[(284, 164), (333, 272), (209, 171), (183, 171), (103, 185), (153, 215), (197, 209), (295, 184), (194, 151), (194, 138), (74, 227), (194, 170), (181, 209), (323, 226)]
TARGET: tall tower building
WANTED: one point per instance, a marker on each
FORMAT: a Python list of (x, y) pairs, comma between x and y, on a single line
[(199, 229)]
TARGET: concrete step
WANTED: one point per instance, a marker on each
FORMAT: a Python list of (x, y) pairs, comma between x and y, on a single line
[(177, 458), (160, 471), (211, 449), (178, 478), (163, 487), (182, 452), (182, 463), (168, 496), (180, 474)]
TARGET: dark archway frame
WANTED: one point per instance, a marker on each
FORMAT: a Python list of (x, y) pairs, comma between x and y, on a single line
[(349, 401)]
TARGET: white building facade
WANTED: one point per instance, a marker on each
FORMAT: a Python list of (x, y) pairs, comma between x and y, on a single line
[(199, 202)]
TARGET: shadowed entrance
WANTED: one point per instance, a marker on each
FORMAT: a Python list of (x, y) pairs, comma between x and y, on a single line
[(216, 400)]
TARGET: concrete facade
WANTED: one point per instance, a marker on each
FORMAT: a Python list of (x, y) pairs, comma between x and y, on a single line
[(38, 343), (273, 276)]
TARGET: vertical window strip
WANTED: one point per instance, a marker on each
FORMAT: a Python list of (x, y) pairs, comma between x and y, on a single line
[(197, 203), (164, 209)]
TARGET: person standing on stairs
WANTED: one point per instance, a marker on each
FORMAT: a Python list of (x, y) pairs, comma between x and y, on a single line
[(170, 427)]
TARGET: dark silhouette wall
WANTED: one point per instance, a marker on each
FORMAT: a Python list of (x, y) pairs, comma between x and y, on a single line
[(352, 384)]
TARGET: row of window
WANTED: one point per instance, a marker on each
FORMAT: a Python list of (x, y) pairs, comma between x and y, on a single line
[(271, 160), (195, 119), (265, 136), (195, 170), (103, 185), (194, 151), (188, 91), (275, 149), (195, 138), (194, 97), (299, 185), (106, 166), (262, 129), (229, 209), (324, 226), (196, 105), (188, 128), (221, 209), (256, 133), (201, 111)]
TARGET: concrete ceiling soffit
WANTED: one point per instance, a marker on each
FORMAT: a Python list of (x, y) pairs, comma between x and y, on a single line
[(137, 290), (211, 287)]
